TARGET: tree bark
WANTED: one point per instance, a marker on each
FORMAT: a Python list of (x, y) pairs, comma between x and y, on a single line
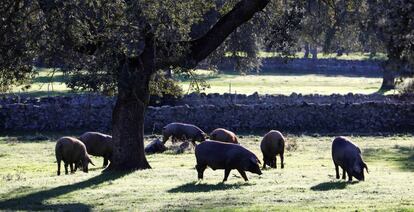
[(388, 80), (314, 51), (306, 55), (128, 114), (128, 135), (391, 66)]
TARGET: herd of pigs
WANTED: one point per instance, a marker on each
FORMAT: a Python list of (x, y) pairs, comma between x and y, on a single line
[(222, 151)]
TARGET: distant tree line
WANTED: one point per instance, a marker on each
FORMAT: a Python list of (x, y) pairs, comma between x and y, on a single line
[(330, 26)]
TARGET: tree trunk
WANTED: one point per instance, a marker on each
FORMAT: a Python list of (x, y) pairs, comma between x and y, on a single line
[(388, 77), (128, 114), (306, 55), (388, 80), (391, 67), (128, 135), (314, 51)]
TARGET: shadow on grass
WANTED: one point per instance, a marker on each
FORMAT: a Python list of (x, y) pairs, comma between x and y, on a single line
[(206, 77), (195, 187), (407, 161), (50, 79), (382, 91), (40, 93), (332, 186), (402, 156), (35, 200)]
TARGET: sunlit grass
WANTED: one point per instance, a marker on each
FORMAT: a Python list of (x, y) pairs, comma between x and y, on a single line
[(286, 83), (28, 180), (264, 83), (46, 83), (321, 55)]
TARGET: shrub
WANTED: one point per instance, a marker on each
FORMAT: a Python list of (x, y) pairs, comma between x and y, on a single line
[(406, 87)]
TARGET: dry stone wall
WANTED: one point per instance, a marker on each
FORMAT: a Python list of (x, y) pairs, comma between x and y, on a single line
[(298, 114)]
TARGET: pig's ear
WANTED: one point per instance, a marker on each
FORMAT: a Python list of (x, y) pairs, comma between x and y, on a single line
[(254, 161), (357, 168)]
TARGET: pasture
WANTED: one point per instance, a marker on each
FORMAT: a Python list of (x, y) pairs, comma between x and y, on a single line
[(28, 180), (286, 83), (264, 83)]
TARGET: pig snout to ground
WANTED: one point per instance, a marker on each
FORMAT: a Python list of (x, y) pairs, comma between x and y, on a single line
[(156, 146), (72, 152), (347, 155), (227, 156), (273, 143), (98, 144), (221, 134), (182, 131)]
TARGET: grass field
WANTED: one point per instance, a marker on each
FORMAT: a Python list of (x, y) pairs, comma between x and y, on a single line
[(321, 55), (286, 83), (28, 181), (263, 83)]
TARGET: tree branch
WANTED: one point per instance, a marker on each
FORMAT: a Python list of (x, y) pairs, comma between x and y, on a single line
[(200, 48)]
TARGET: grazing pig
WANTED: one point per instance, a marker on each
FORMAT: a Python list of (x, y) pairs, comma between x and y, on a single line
[(227, 156), (182, 131), (223, 135), (156, 146), (73, 152), (273, 143), (347, 155), (98, 144)]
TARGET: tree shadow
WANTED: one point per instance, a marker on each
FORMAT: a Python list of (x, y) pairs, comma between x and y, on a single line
[(382, 91), (403, 156), (50, 79), (407, 161), (35, 200), (197, 187), (326, 186), (55, 207)]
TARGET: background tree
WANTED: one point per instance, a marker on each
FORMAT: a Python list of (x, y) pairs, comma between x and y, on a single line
[(391, 24), (17, 49), (274, 30), (332, 25)]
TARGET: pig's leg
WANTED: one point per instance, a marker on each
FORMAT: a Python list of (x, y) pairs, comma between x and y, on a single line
[(66, 168), (349, 177), (282, 161), (337, 171), (58, 165), (343, 174), (105, 162), (200, 170), (243, 174), (264, 162), (226, 174), (71, 168)]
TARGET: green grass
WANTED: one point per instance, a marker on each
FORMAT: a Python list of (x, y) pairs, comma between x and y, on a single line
[(28, 181), (321, 55), (263, 83), (350, 56), (286, 83), (46, 83)]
